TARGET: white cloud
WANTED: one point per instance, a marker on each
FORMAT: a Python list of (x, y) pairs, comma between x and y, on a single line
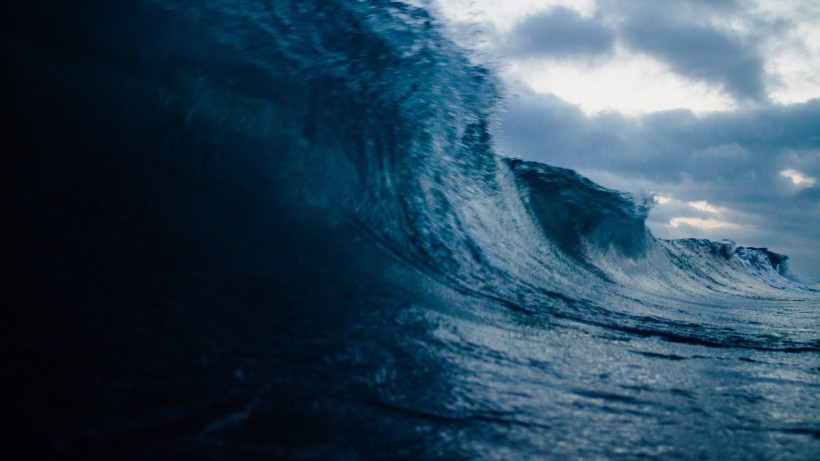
[(662, 199), (701, 223), (703, 205), (674, 207), (798, 179), (626, 82)]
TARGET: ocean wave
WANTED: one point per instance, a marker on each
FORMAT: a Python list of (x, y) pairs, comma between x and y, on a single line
[(282, 229)]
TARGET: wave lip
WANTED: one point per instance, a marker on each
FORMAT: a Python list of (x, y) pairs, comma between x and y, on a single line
[(574, 212)]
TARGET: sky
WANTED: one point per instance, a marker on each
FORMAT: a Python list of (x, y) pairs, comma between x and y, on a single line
[(710, 106)]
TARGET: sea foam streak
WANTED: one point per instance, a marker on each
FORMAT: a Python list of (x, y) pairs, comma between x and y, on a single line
[(281, 229)]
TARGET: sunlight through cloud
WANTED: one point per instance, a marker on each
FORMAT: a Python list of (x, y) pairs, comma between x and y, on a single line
[(629, 83), (701, 223), (798, 178), (703, 205)]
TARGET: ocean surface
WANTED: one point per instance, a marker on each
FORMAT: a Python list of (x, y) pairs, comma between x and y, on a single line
[(241, 229)]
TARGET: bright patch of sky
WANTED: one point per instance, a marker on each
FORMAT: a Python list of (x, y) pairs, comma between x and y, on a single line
[(798, 179), (662, 199), (703, 223), (703, 205), (629, 83), (711, 218)]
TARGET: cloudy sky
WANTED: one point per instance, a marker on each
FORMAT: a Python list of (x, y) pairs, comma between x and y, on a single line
[(711, 105)]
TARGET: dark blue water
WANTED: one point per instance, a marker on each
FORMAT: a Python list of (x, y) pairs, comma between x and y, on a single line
[(281, 230)]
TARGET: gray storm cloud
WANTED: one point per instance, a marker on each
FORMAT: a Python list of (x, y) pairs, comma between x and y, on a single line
[(559, 32)]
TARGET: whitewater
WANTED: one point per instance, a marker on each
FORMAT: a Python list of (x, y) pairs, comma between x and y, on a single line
[(243, 229)]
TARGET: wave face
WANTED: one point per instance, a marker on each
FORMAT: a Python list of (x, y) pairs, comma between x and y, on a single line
[(281, 230)]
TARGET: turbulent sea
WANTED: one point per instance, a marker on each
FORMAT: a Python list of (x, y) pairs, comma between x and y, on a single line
[(241, 229)]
